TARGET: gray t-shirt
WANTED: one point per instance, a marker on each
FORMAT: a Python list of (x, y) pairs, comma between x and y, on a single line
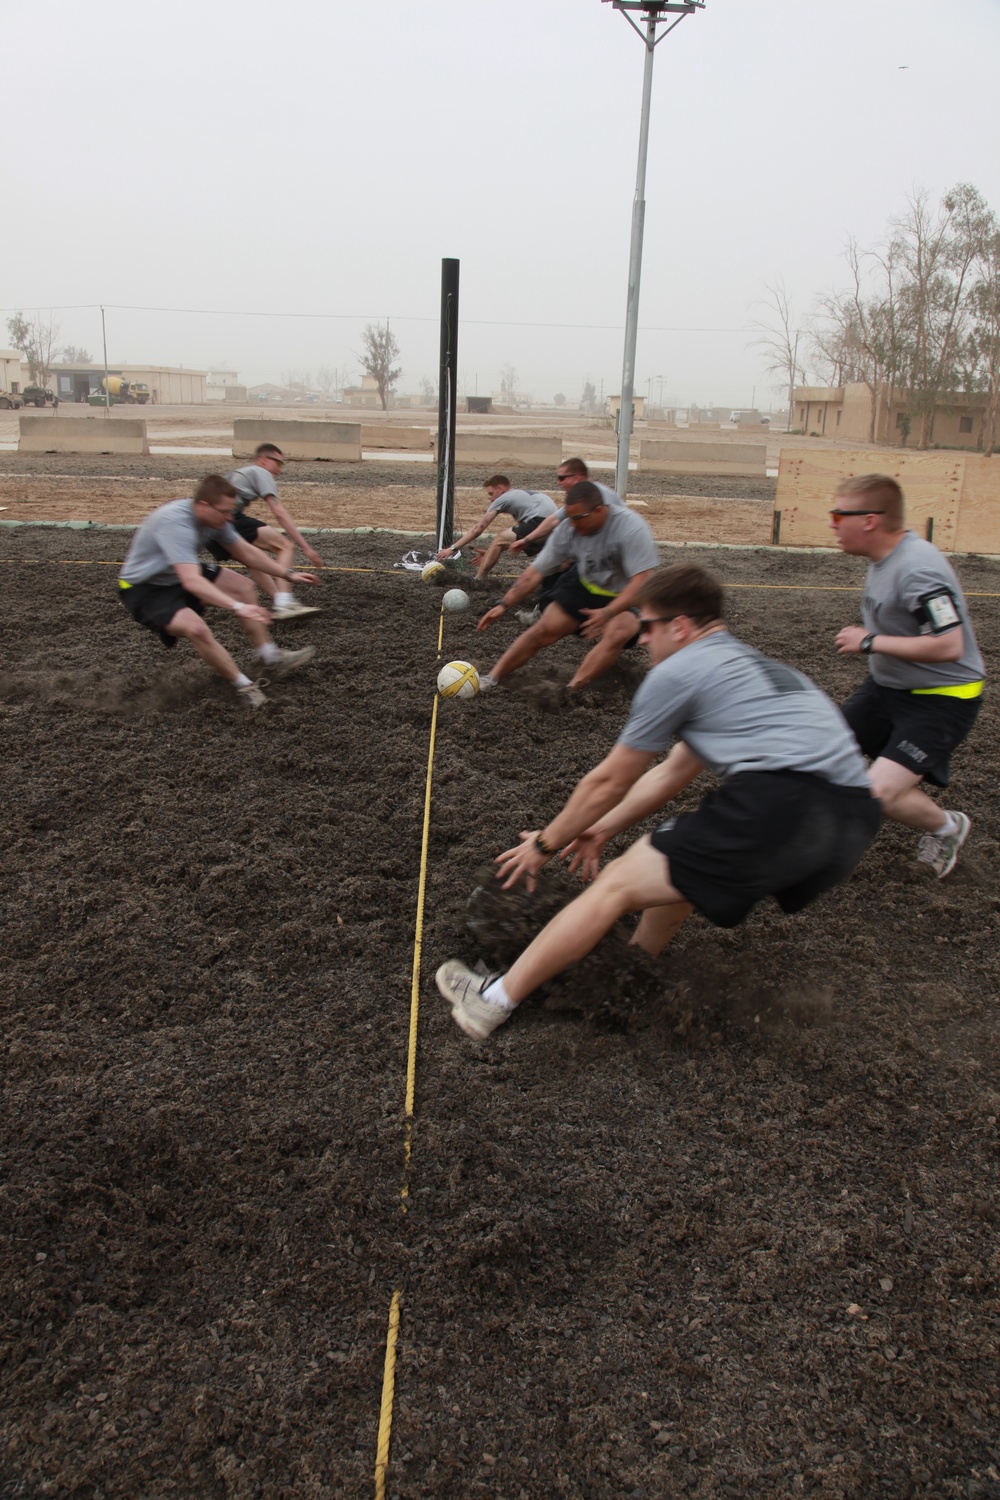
[(606, 560), (524, 505), (914, 591), (169, 535), (738, 710), (252, 483)]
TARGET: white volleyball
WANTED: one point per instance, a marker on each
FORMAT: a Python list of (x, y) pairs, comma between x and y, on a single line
[(459, 679)]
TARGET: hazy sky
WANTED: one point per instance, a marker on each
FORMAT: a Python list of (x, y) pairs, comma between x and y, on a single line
[(322, 158)]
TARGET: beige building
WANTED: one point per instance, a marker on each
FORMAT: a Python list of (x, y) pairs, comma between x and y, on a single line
[(10, 371), (846, 412)]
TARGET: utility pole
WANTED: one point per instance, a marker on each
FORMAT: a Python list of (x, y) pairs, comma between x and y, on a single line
[(107, 380), (653, 11), (791, 384)]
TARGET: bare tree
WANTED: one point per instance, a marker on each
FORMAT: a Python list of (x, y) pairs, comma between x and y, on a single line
[(75, 354), (778, 339), (588, 401), (379, 349), (36, 339), (428, 390), (984, 339), (862, 336), (326, 379), (508, 385), (936, 253)]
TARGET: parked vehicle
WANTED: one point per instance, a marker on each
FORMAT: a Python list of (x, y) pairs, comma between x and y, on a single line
[(121, 393), (37, 395), (8, 401)]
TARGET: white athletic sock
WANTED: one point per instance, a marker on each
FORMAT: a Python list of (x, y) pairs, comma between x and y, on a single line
[(241, 681), (948, 827), (268, 652), (496, 994), (282, 600)]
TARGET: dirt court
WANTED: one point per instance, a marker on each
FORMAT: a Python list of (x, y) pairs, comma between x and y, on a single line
[(398, 496), (721, 1225)]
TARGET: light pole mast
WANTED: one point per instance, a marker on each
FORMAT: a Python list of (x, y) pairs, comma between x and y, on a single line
[(654, 11)]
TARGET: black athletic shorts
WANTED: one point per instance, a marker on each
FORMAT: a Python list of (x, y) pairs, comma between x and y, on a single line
[(155, 604), (785, 834), (525, 528), (246, 526), (571, 595), (916, 730)]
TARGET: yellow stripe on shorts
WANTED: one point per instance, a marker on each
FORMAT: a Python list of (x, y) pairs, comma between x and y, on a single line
[(960, 690), (604, 593)]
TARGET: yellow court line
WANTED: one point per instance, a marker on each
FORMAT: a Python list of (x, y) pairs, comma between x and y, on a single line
[(392, 1334), (807, 588)]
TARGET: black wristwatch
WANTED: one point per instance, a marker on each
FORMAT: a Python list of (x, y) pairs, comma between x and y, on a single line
[(499, 604), (866, 645)]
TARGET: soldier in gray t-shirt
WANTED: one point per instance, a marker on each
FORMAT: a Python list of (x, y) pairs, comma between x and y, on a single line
[(528, 508), (612, 552), (257, 481), (164, 585), (793, 815), (927, 676)]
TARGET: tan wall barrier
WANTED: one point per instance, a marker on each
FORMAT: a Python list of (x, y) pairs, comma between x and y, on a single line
[(503, 448), (90, 434), (398, 439), (675, 456), (953, 497), (335, 442)]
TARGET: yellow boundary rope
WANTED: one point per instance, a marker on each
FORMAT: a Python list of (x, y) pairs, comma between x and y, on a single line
[(809, 588), (392, 1334)]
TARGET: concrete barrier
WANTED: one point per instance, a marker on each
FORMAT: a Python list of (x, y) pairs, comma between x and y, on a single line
[(334, 442), (90, 434), (398, 439), (677, 456), (507, 449)]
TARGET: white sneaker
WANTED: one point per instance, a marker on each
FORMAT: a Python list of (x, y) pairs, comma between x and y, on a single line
[(528, 616), (293, 611), (487, 683), (287, 661), (940, 850), (463, 988), (252, 695)]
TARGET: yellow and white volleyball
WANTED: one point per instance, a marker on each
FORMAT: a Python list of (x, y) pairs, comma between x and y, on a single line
[(434, 569), (459, 679), (455, 600)]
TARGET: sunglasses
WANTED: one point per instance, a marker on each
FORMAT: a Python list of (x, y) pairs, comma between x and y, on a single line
[(575, 520), (563, 477), (838, 515), (645, 625)]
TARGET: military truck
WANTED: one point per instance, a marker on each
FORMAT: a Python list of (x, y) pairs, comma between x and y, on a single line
[(38, 395), (8, 401)]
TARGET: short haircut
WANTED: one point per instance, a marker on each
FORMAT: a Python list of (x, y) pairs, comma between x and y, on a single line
[(214, 487), (495, 479), (268, 450), (584, 493), (684, 589), (880, 491), (575, 466)]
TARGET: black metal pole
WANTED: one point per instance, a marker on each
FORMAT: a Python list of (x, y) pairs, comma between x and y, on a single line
[(447, 407)]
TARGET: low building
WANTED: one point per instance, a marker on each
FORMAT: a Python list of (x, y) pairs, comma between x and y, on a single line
[(169, 385), (638, 407), (845, 411), (10, 371), (224, 385)]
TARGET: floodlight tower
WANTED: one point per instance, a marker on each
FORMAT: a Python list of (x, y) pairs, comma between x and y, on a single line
[(654, 13)]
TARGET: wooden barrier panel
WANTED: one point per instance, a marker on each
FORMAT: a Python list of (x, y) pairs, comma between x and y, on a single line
[(808, 477), (398, 439), (680, 456), (94, 433), (331, 442), (978, 528), (507, 449)]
